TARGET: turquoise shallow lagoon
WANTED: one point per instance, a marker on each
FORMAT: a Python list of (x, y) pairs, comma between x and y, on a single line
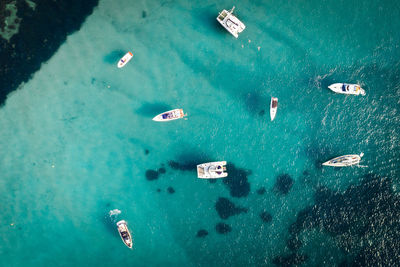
[(77, 139)]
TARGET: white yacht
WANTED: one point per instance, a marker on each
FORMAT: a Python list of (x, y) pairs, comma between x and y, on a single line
[(124, 233), (347, 88), (273, 107), (212, 170), (344, 161), (231, 23), (125, 59), (170, 115)]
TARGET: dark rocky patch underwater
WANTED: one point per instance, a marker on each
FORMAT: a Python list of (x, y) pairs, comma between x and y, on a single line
[(237, 181), (363, 221), (49, 23), (283, 184), (226, 208)]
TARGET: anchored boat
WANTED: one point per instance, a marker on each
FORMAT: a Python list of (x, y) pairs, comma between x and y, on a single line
[(125, 59), (344, 161), (231, 23), (170, 115), (347, 88), (273, 107), (212, 170), (124, 233)]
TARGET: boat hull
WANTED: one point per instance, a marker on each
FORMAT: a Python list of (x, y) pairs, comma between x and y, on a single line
[(170, 115), (125, 59), (347, 89), (125, 234), (273, 108), (343, 161), (231, 23), (212, 170)]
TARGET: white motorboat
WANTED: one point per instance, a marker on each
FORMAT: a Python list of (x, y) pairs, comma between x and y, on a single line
[(344, 161), (124, 233), (125, 59), (273, 107), (170, 115), (347, 88), (231, 23), (212, 170)]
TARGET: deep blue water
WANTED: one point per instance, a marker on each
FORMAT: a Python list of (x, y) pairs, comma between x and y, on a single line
[(77, 139)]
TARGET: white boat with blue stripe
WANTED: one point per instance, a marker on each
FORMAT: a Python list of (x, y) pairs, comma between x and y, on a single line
[(347, 88), (170, 115)]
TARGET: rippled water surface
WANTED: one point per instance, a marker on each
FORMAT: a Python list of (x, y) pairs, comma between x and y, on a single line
[(77, 139)]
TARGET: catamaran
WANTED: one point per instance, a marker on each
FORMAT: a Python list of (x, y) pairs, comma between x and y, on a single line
[(231, 23), (344, 161), (125, 59), (212, 170), (273, 107), (347, 88), (124, 233), (170, 115)]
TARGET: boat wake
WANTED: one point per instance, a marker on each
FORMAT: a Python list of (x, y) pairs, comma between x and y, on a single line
[(114, 214), (362, 166), (318, 80)]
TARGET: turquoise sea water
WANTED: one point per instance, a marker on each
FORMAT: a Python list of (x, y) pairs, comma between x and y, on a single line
[(78, 139)]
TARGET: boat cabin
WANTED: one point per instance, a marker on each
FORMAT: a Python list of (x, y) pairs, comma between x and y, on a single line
[(231, 23)]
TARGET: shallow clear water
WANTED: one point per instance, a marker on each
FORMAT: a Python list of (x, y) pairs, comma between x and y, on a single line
[(74, 138)]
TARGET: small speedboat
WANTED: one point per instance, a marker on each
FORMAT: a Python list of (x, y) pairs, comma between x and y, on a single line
[(212, 170), (231, 23), (344, 161), (125, 59), (170, 115), (124, 233), (347, 88), (273, 107)]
